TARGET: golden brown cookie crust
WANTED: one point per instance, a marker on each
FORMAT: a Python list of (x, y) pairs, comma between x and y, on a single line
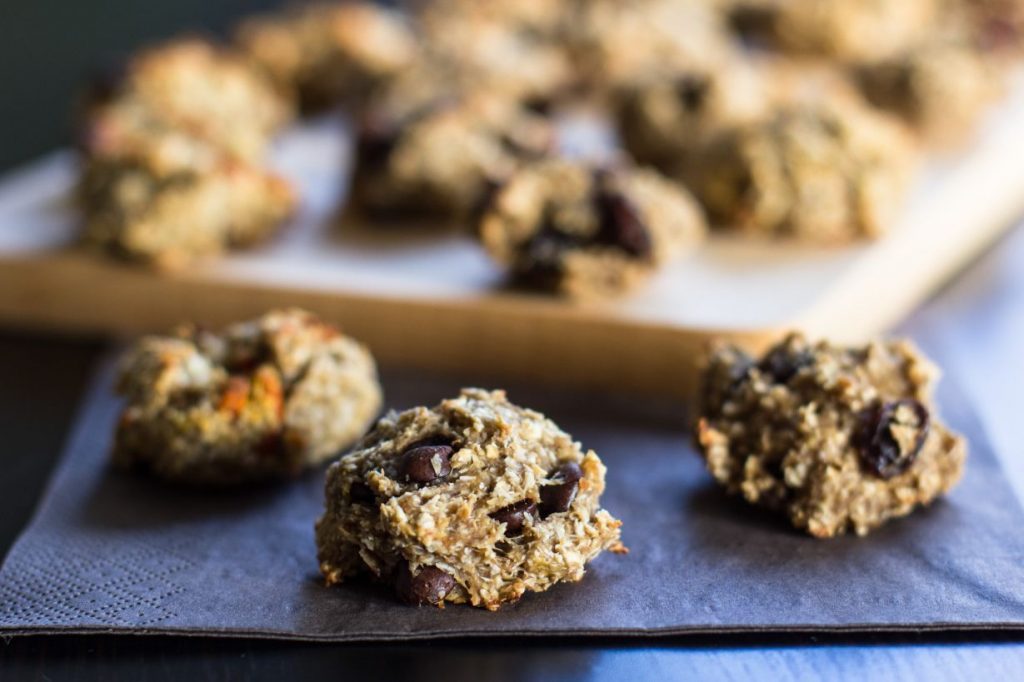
[(264, 399), (504, 503), (837, 439)]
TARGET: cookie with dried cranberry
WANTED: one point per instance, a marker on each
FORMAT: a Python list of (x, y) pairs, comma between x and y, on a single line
[(828, 172), (435, 159), (664, 117), (837, 439), (584, 231), (265, 399), (329, 54), (473, 501)]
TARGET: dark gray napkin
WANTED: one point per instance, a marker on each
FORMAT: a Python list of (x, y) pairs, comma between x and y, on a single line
[(112, 552)]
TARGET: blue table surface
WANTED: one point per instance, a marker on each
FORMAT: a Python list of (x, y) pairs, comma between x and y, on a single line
[(973, 329)]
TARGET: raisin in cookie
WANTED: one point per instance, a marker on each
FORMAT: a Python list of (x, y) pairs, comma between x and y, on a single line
[(585, 232), (330, 53), (473, 501), (835, 438), (264, 399), (438, 161), (826, 172)]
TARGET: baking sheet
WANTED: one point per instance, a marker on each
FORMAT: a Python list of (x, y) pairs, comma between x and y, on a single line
[(112, 552)]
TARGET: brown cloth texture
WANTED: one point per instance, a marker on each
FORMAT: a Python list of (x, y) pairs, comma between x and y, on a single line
[(113, 552)]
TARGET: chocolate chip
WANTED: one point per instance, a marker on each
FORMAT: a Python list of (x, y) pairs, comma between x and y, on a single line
[(429, 586), (881, 448), (782, 363), (514, 516), (620, 223), (692, 91), (360, 493), (377, 138), (426, 463), (558, 497)]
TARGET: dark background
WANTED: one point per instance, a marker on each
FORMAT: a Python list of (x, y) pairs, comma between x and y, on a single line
[(48, 48)]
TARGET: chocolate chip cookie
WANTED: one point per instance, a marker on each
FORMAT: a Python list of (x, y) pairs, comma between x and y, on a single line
[(826, 172), (264, 399), (584, 231), (835, 438), (664, 118), (473, 501), (329, 54), (438, 161)]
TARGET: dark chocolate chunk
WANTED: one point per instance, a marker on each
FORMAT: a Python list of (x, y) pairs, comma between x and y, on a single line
[(514, 516), (360, 493), (429, 586), (692, 91), (558, 497), (426, 463), (782, 363)]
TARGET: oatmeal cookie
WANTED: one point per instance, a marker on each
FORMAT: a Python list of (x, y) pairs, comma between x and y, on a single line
[(438, 162), (835, 438), (540, 17), (826, 172), (616, 42), (586, 232), (473, 501), (663, 119), (265, 399), (191, 86), (939, 89), (330, 53), (476, 50), (847, 30), (168, 199)]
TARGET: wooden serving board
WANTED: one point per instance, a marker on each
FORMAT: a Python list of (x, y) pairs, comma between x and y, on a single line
[(433, 299)]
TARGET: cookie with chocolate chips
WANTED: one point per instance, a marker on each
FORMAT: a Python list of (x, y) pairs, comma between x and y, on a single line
[(837, 439), (436, 159), (473, 501), (264, 399), (586, 232), (826, 172)]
